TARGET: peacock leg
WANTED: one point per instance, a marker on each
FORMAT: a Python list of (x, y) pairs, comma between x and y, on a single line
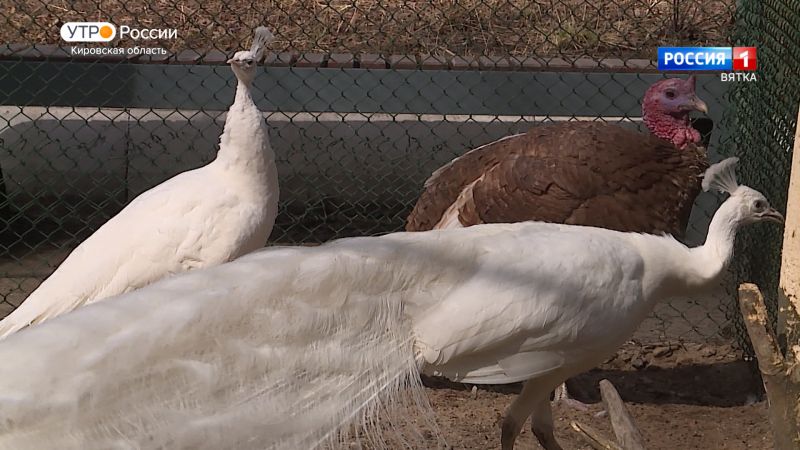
[(542, 425), (534, 393)]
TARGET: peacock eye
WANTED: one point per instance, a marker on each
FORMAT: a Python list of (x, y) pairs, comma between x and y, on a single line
[(670, 94)]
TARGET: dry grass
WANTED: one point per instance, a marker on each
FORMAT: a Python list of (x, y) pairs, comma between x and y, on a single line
[(624, 28)]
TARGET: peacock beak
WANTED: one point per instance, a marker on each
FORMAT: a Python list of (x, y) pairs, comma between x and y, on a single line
[(772, 215)]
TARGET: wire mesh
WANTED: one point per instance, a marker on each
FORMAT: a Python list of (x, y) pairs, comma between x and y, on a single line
[(364, 99), (761, 122)]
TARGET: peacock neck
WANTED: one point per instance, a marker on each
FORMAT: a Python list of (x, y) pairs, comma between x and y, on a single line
[(721, 234), (678, 271), (243, 97), (244, 144), (707, 262)]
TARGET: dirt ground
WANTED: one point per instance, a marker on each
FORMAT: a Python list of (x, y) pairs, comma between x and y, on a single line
[(690, 397)]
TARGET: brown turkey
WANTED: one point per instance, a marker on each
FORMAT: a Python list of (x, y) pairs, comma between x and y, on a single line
[(580, 173)]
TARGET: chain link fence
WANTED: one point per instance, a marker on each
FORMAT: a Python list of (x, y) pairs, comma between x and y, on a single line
[(762, 118), (365, 99)]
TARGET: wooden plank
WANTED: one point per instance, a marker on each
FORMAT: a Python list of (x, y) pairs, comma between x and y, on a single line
[(789, 286), (783, 392)]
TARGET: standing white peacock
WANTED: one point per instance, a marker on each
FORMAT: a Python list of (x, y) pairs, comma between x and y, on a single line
[(287, 347), (196, 219)]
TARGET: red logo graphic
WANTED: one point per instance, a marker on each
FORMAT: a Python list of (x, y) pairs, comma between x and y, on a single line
[(744, 58)]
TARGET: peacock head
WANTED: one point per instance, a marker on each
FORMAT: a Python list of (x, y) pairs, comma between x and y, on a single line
[(244, 62), (666, 107), (747, 204)]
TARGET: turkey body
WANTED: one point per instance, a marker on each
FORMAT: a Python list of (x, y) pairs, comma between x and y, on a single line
[(579, 173)]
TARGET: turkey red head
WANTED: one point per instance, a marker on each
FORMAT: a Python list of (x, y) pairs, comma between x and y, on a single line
[(666, 107)]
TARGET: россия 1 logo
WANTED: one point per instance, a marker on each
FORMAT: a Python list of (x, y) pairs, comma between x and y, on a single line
[(744, 58), (735, 63)]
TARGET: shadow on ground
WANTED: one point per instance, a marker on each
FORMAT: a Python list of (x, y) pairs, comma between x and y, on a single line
[(725, 384)]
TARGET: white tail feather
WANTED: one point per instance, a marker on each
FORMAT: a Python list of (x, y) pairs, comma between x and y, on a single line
[(722, 176), (250, 354)]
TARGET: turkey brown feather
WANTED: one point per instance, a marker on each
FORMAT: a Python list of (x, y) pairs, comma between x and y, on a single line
[(579, 173)]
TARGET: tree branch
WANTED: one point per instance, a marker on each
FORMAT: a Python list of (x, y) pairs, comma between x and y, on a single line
[(593, 437), (624, 427)]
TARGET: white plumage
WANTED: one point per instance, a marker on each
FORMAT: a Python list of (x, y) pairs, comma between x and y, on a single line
[(196, 219), (285, 347)]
